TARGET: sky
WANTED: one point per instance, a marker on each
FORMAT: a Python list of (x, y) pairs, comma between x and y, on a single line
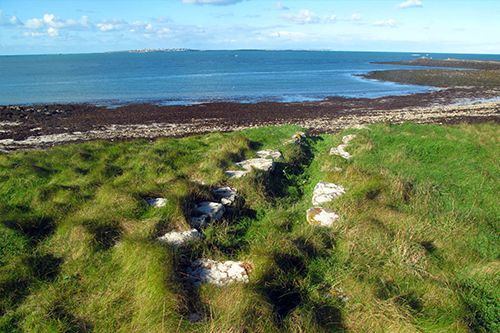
[(82, 26)]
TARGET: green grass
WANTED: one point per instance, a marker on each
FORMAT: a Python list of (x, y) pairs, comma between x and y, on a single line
[(415, 250)]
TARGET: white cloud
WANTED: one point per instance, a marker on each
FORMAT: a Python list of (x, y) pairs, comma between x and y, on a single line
[(356, 17), (104, 27), (391, 23), (52, 32), (411, 3), (34, 23), (8, 20), (304, 16), (52, 21), (212, 2)]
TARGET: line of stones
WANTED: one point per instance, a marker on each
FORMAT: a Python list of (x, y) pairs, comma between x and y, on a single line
[(325, 192), (207, 270)]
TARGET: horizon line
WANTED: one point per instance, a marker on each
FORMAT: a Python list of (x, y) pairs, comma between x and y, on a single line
[(182, 49)]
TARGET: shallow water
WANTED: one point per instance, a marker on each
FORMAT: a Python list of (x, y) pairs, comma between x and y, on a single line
[(171, 78)]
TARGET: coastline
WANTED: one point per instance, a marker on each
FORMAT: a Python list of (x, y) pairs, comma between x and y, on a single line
[(42, 126)]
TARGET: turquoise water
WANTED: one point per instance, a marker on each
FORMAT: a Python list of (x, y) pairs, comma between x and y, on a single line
[(198, 76)]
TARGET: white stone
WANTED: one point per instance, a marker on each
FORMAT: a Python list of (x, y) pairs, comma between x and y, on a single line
[(214, 210), (323, 217), (177, 238), (340, 149), (218, 273), (206, 212), (226, 195), (268, 153), (263, 164), (235, 173), (156, 202), (325, 192), (348, 138)]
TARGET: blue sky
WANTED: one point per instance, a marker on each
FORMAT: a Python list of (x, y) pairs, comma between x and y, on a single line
[(75, 26)]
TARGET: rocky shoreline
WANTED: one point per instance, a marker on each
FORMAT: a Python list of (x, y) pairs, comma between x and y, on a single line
[(41, 126)]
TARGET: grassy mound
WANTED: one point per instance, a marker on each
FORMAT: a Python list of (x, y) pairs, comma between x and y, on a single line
[(416, 247)]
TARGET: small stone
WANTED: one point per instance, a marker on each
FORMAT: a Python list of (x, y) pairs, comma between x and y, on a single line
[(218, 273), (235, 173), (323, 217), (263, 164), (337, 169), (297, 137), (272, 154), (214, 210), (177, 238), (325, 192), (340, 149), (348, 138), (226, 195), (156, 202)]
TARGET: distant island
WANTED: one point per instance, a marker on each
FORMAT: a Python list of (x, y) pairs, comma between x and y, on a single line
[(160, 50)]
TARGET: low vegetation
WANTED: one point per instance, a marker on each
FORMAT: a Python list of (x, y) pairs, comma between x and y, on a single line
[(415, 250), (440, 78), (479, 73), (454, 63)]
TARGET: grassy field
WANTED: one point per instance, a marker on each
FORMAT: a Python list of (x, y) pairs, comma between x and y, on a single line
[(416, 248)]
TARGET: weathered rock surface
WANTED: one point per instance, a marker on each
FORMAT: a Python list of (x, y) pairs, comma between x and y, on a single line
[(226, 195), (178, 238), (156, 202), (263, 164), (323, 217), (325, 192), (268, 153), (218, 273), (235, 173), (206, 212), (340, 149)]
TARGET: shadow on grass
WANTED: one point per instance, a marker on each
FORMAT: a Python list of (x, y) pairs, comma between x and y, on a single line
[(35, 229), (13, 292), (16, 288), (282, 285), (71, 322), (288, 177), (105, 235), (45, 267)]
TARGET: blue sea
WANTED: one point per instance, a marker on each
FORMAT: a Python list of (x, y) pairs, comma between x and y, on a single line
[(170, 78)]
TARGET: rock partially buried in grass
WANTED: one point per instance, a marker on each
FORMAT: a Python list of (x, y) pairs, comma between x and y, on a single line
[(322, 217), (326, 192), (218, 273), (156, 202), (226, 195), (235, 173), (340, 149), (272, 154), (263, 164), (178, 238), (205, 212), (299, 136)]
